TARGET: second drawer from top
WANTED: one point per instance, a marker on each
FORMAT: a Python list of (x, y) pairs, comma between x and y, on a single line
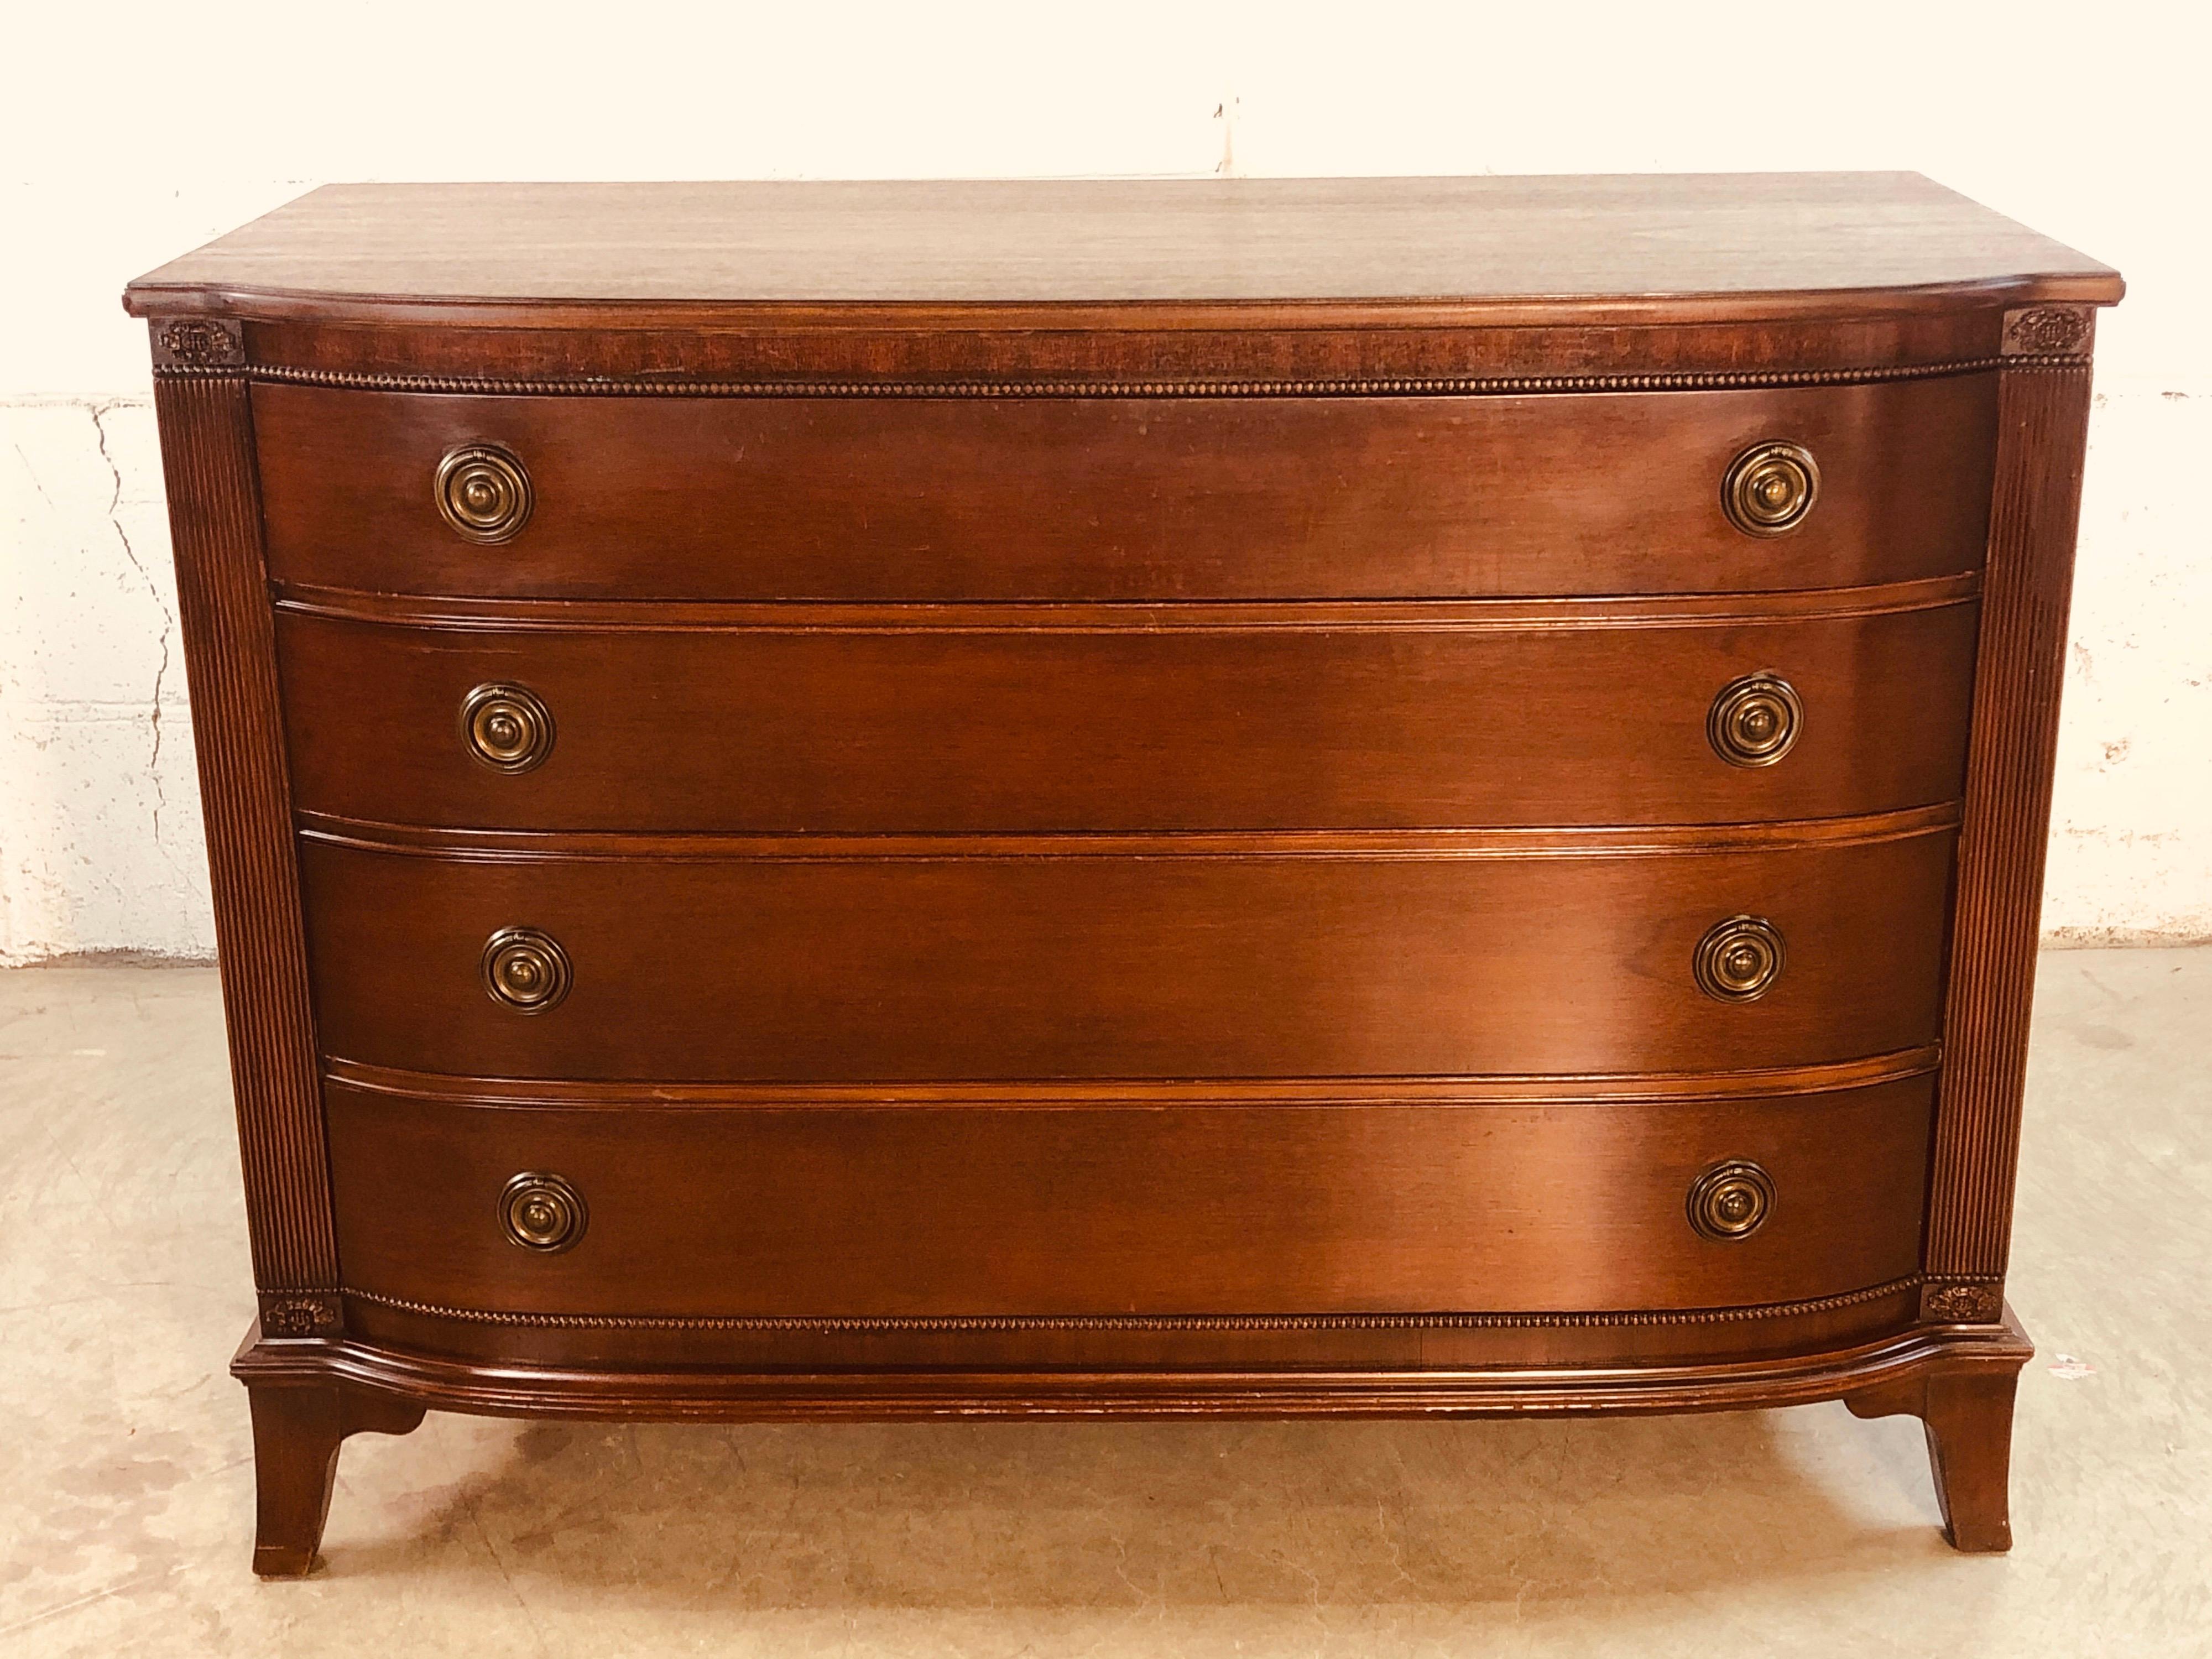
[(982, 720)]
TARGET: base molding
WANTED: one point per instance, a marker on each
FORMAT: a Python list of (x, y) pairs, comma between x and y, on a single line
[(309, 1393), (799, 1396)]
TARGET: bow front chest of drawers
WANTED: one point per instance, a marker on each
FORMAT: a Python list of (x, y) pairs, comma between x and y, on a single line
[(903, 801)]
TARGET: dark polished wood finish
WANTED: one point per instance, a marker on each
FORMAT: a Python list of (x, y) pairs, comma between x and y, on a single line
[(2020, 662), (1032, 717), (1401, 955), (1127, 498), (1964, 1404), (1002, 1210), (207, 451), (1602, 248), (298, 1427), (1248, 797)]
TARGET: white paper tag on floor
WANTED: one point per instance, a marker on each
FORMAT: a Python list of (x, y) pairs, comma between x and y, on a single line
[(2067, 1369)]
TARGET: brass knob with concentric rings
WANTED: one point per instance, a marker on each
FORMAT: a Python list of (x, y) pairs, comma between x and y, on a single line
[(1755, 719), (543, 1213), (1739, 960), (525, 969), (1769, 489), (1731, 1200), (507, 727), (484, 492)]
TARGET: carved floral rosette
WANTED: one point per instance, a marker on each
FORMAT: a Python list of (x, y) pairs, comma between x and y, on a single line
[(1962, 1304), (197, 343), (2049, 332), (299, 1315)]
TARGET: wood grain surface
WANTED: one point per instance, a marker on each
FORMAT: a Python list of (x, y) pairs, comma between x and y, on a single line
[(816, 720), (222, 610), (1053, 960), (1315, 348), (1130, 814), (2021, 665), (780, 499), (1642, 244), (1200, 1209)]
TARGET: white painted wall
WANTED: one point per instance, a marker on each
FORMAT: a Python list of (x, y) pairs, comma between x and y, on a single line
[(133, 132)]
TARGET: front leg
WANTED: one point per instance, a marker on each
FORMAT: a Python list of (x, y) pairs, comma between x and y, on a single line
[(1965, 1407), (1968, 1418), (297, 1430)]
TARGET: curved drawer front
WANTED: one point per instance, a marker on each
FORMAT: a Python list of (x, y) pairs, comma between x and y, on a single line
[(1113, 498), (843, 724), (1145, 957), (941, 1211)]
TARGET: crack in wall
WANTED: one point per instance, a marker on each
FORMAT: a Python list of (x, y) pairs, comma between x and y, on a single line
[(100, 411)]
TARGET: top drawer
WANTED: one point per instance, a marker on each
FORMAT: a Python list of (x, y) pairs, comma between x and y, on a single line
[(1121, 498)]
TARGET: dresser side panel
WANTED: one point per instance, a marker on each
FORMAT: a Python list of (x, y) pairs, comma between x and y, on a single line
[(2043, 422), (215, 515)]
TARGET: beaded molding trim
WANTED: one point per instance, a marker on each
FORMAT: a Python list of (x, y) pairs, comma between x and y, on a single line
[(1684, 380), (1142, 1321)]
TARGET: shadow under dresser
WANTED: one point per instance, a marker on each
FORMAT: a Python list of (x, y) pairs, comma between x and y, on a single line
[(1363, 796)]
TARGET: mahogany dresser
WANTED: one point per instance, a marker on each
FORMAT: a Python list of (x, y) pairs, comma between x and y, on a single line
[(868, 800)]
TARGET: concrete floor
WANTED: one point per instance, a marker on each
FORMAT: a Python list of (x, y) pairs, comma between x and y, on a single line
[(126, 1489)]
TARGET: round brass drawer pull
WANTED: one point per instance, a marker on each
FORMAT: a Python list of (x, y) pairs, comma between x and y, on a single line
[(483, 493), (525, 969), (543, 1213), (1739, 960), (1770, 487), (507, 727), (1755, 720), (1731, 1200)]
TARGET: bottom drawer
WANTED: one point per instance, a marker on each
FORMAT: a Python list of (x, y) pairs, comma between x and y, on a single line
[(932, 1209)]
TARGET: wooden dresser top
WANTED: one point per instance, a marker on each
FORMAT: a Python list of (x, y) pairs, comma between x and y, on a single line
[(1659, 247)]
